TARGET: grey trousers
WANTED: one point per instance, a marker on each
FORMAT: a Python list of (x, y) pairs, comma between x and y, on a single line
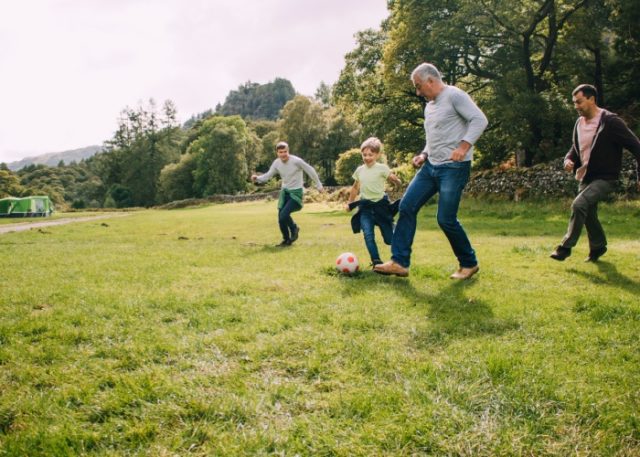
[(584, 212)]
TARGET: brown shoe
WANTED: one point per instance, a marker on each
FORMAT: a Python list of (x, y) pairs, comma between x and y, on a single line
[(465, 273), (391, 268)]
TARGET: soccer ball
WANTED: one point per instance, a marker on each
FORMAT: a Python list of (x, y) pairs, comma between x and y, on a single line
[(347, 263)]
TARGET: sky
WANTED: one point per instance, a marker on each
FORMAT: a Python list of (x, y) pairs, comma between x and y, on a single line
[(69, 67)]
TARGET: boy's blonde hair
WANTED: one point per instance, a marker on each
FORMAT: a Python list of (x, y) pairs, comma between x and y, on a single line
[(372, 143)]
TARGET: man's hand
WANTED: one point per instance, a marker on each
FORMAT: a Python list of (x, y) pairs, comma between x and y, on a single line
[(458, 154), (418, 160), (254, 177), (568, 165)]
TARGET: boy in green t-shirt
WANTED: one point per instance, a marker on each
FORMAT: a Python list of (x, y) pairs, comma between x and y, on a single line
[(374, 207)]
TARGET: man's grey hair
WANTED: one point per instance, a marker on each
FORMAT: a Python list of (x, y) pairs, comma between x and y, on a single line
[(282, 145), (426, 71)]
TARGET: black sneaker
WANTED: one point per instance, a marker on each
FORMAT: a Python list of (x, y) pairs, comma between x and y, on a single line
[(596, 254), (375, 262), (284, 244), (560, 253), (294, 233)]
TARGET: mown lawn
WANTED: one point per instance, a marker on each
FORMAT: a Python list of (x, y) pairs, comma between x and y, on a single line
[(186, 332)]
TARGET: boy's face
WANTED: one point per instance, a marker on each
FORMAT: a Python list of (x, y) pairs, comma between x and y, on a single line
[(369, 157), (283, 154)]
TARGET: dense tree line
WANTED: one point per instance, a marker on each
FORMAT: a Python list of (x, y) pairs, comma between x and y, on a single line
[(518, 60), (152, 160)]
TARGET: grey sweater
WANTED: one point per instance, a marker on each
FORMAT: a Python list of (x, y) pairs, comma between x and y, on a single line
[(449, 119), (291, 173)]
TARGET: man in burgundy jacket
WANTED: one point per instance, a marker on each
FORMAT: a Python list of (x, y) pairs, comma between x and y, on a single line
[(595, 157)]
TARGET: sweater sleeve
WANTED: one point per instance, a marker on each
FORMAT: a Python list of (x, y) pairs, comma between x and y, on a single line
[(470, 112), (311, 172), (269, 174)]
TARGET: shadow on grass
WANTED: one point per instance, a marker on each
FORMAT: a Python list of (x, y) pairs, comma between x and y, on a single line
[(454, 314), (450, 314), (608, 274)]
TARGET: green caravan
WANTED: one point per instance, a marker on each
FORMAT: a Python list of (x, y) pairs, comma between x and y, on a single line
[(26, 207)]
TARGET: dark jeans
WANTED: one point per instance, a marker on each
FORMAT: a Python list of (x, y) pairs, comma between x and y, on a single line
[(448, 180), (584, 213), (368, 224), (285, 221)]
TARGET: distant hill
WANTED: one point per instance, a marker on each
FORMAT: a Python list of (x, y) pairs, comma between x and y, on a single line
[(53, 158)]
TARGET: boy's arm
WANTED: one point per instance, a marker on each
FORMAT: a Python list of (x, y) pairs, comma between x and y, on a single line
[(393, 179), (311, 172), (260, 179), (353, 193)]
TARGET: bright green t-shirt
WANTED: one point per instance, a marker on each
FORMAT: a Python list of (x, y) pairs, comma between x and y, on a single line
[(372, 180)]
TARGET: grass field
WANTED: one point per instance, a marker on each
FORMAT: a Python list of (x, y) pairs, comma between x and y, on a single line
[(186, 332)]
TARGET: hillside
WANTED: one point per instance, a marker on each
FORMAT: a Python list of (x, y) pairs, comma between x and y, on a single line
[(53, 158)]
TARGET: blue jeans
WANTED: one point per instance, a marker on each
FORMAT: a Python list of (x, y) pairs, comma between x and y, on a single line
[(368, 224), (285, 221), (448, 180)]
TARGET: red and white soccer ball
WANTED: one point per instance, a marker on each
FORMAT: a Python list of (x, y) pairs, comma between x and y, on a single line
[(347, 263)]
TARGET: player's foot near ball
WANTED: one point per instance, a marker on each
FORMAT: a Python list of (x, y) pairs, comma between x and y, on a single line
[(284, 244), (391, 268)]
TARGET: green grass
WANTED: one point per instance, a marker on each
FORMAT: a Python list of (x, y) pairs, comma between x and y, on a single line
[(186, 333)]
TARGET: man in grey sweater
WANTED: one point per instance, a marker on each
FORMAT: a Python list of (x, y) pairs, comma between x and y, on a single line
[(290, 169), (453, 123)]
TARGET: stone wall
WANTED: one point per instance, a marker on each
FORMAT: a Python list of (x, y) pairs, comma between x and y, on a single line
[(547, 180), (542, 181)]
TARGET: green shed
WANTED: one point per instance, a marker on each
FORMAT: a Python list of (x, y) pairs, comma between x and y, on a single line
[(39, 205)]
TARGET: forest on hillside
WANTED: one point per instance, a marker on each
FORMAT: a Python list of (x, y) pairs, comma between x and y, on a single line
[(519, 61)]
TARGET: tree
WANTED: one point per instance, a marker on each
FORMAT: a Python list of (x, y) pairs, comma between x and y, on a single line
[(346, 164), (220, 154), (323, 94), (519, 62), (143, 144), (9, 184), (176, 181), (258, 101), (303, 125)]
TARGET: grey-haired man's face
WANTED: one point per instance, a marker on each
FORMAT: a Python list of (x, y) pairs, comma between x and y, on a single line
[(424, 87)]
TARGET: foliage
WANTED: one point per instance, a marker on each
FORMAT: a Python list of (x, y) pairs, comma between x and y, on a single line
[(220, 154), (519, 62), (316, 133), (176, 180), (144, 143), (258, 101), (9, 184), (121, 196), (346, 164), (161, 334)]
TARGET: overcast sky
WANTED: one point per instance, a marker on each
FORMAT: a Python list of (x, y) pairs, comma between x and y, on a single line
[(69, 67)]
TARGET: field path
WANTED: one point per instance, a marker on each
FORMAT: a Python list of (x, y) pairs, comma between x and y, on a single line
[(29, 226)]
